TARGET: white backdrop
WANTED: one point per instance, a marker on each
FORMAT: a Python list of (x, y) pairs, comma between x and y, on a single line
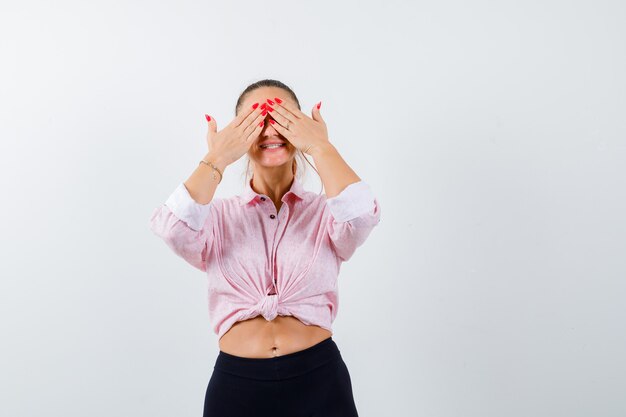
[(493, 134)]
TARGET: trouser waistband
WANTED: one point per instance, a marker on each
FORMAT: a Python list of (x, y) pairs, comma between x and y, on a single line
[(279, 367)]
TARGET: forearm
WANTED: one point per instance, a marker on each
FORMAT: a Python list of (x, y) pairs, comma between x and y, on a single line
[(335, 173), (200, 184)]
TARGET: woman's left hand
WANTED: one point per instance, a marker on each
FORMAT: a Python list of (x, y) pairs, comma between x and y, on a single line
[(305, 133)]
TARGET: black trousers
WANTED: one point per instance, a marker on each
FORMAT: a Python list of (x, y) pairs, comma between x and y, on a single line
[(313, 382)]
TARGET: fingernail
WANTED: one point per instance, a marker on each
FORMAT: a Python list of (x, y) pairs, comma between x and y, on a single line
[(270, 101), (262, 122), (319, 105), (272, 121), (255, 105), (264, 112), (269, 108), (208, 118), (263, 105), (278, 100)]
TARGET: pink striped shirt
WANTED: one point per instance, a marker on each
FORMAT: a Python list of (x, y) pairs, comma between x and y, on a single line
[(263, 262)]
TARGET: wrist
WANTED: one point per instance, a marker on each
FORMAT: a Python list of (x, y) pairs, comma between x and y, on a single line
[(216, 160), (323, 149)]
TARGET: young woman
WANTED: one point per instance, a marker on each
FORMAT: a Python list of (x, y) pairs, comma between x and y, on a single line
[(272, 255)]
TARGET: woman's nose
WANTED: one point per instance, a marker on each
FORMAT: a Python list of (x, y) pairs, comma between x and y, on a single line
[(269, 126)]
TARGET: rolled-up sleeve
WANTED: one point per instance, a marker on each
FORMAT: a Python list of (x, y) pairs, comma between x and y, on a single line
[(353, 214), (186, 226)]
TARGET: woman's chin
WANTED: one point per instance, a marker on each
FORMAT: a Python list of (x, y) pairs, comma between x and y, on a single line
[(273, 157)]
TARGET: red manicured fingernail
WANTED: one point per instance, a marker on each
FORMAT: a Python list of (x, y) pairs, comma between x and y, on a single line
[(278, 100), (319, 105), (262, 123), (255, 105), (263, 105), (208, 118), (269, 108), (270, 101), (272, 121), (264, 112)]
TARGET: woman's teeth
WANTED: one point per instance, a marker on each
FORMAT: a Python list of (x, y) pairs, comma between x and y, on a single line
[(272, 146)]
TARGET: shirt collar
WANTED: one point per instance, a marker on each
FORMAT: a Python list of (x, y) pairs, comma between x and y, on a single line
[(249, 194)]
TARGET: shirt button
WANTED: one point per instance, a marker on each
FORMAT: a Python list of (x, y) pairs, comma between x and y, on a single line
[(272, 216), (263, 198)]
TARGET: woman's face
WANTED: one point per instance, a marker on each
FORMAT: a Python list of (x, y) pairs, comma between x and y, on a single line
[(270, 157)]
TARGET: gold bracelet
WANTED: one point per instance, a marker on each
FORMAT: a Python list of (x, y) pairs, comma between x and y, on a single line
[(214, 169)]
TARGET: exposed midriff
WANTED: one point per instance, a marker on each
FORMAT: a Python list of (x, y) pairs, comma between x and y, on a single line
[(260, 338)]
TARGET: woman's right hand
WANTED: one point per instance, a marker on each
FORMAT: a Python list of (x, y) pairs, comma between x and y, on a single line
[(232, 142)]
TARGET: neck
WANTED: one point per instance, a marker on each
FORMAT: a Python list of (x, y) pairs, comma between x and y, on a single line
[(272, 185)]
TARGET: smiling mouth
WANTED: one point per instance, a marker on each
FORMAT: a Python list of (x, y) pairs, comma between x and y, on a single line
[(273, 146)]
